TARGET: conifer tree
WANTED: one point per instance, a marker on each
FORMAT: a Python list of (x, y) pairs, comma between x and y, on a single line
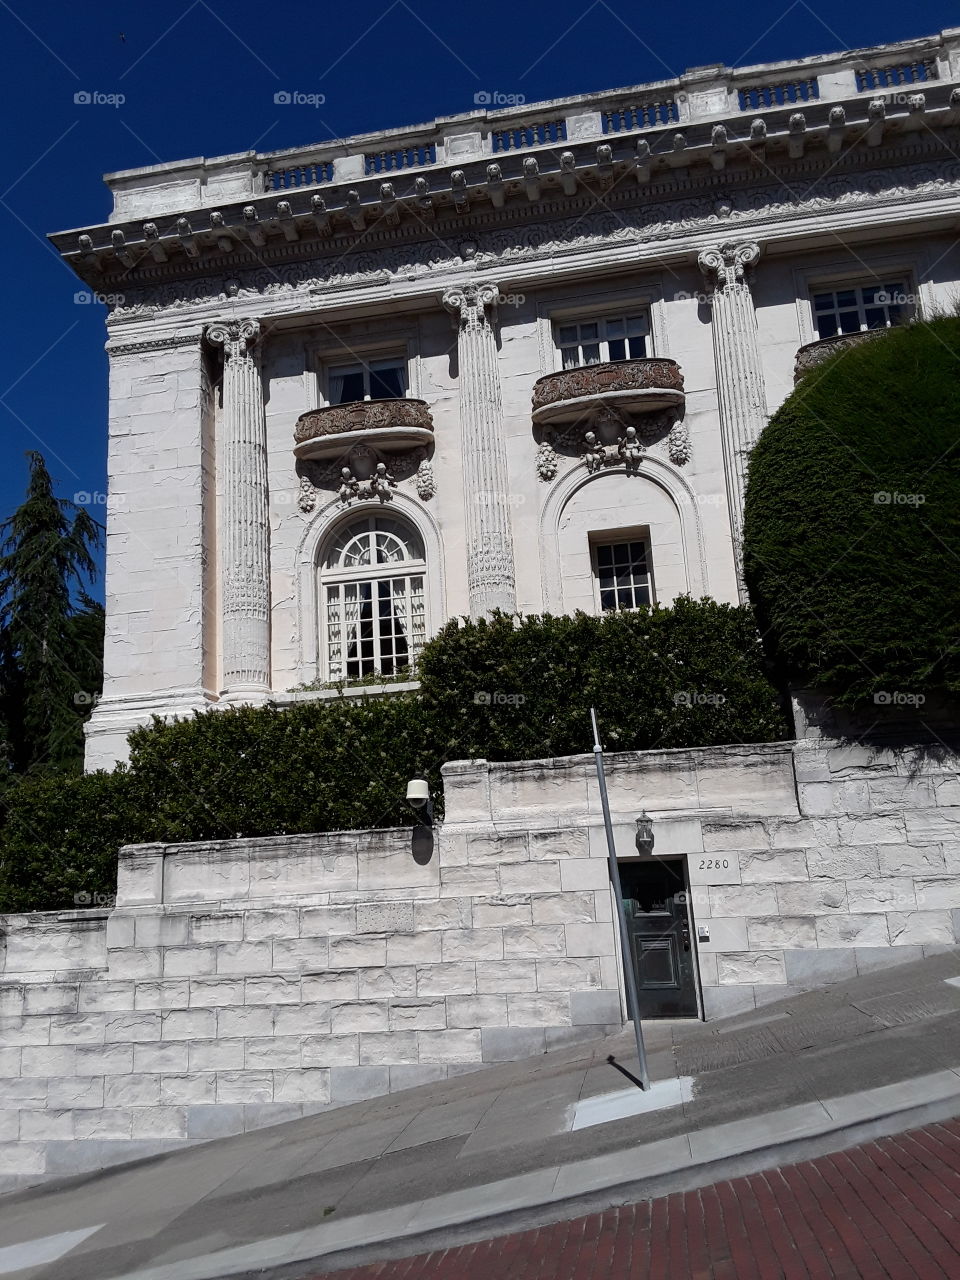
[(51, 631)]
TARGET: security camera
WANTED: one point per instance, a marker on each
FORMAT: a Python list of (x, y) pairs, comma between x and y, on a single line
[(418, 792)]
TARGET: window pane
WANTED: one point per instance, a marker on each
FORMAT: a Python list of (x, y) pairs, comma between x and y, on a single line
[(591, 355), (567, 334), (386, 384), (618, 349), (638, 326), (823, 302), (588, 332), (849, 322), (638, 348), (351, 387), (847, 298), (826, 326), (622, 575), (614, 328), (571, 357)]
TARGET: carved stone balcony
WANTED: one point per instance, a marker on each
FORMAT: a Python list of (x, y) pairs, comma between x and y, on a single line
[(815, 353), (394, 425), (635, 386)]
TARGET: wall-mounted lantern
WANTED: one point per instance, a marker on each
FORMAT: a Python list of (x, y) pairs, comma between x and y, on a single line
[(645, 835)]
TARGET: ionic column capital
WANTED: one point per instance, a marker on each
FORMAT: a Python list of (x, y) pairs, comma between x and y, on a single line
[(468, 302), (726, 265), (237, 337)]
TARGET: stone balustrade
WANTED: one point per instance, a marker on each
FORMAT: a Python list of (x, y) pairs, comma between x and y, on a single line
[(814, 353), (395, 424), (636, 386), (498, 126)]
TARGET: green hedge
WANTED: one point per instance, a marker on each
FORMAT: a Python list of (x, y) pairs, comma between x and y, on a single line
[(852, 521), (690, 675), (503, 689)]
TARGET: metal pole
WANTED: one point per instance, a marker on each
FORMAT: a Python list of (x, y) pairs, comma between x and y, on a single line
[(629, 977)]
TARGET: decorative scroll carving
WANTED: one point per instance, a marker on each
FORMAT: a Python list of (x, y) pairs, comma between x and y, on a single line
[(244, 541), (490, 564)]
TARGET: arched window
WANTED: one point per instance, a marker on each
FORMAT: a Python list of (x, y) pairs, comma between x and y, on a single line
[(372, 599)]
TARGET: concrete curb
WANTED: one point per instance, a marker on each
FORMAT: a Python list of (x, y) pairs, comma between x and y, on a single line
[(681, 1163)]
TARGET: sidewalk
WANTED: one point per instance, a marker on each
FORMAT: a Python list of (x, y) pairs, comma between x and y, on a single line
[(525, 1144)]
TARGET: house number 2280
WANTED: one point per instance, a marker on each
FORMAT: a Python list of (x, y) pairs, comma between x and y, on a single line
[(714, 864)]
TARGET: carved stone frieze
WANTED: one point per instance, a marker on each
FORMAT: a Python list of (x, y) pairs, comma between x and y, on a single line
[(656, 222)]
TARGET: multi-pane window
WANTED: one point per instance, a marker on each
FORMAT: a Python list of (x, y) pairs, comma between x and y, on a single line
[(374, 615), (623, 574), (600, 341), (378, 380), (858, 308)]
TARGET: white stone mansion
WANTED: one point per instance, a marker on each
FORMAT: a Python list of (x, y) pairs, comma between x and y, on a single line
[(508, 359)]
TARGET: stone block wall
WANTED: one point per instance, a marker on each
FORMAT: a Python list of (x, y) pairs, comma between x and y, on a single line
[(240, 983)]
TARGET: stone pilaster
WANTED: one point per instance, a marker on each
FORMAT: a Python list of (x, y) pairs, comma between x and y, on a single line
[(740, 387), (490, 564), (245, 530)]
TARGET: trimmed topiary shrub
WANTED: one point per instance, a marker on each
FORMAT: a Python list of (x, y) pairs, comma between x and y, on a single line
[(503, 689), (852, 521)]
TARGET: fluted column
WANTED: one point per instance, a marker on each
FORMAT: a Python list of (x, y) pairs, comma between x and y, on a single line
[(740, 387), (490, 565), (244, 538)]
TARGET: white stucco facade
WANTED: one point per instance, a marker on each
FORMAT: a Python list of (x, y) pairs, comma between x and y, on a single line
[(469, 260)]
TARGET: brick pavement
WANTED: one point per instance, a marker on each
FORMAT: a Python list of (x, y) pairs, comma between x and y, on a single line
[(887, 1209)]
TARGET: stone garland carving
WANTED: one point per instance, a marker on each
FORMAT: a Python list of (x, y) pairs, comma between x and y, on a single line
[(655, 222), (372, 474), (548, 460), (632, 440)]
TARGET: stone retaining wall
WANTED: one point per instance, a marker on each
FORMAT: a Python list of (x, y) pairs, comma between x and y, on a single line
[(240, 983)]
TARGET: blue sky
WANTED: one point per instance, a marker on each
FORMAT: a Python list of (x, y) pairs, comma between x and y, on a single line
[(198, 77)]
